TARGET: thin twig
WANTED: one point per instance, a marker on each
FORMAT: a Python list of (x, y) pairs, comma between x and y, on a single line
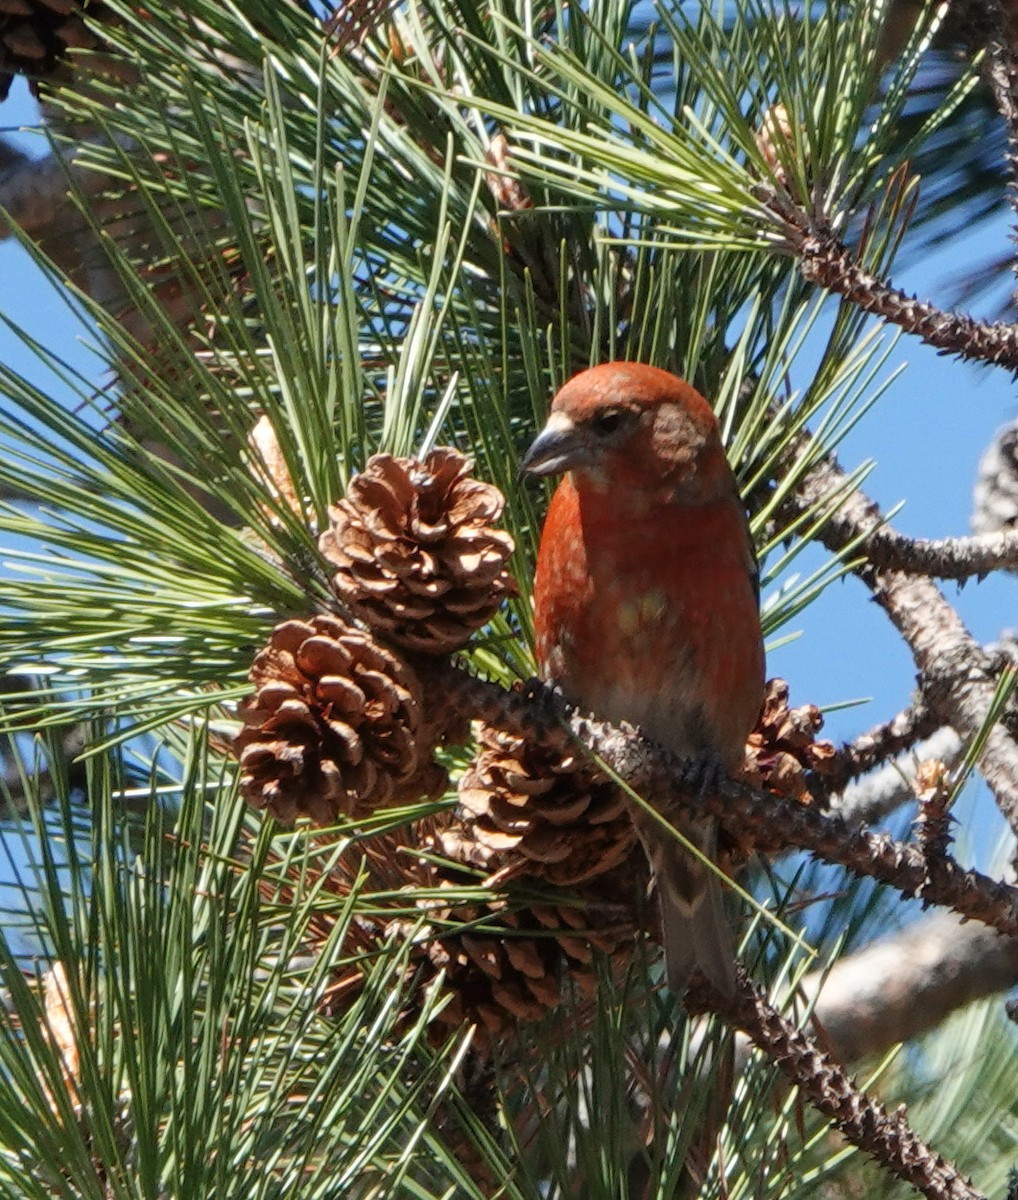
[(933, 827), (886, 1137), (874, 747)]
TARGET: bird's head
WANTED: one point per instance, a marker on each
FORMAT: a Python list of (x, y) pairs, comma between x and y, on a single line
[(628, 425)]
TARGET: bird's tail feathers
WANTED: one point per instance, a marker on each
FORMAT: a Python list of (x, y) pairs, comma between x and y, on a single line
[(695, 931)]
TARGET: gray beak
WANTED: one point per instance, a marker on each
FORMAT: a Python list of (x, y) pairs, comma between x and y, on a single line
[(557, 448)]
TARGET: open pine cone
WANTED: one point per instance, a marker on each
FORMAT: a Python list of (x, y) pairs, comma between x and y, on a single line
[(333, 728), (496, 979), (541, 813), (498, 966), (783, 747), (416, 552)]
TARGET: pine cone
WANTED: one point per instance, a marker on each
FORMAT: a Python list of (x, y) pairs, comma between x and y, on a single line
[(35, 36), (995, 496), (782, 749), (496, 979), (498, 965), (416, 553), (517, 970), (539, 813), (333, 726)]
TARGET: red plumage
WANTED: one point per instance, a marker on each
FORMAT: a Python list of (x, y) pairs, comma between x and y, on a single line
[(646, 604)]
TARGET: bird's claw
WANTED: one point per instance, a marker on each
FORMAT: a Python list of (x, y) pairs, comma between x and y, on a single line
[(703, 773), (549, 703)]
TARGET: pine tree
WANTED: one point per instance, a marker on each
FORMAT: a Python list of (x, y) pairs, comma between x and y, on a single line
[(329, 897)]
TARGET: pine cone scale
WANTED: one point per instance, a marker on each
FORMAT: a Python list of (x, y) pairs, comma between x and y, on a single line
[(341, 694)]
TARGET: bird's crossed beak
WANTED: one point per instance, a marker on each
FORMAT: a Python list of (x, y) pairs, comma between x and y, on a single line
[(557, 448)]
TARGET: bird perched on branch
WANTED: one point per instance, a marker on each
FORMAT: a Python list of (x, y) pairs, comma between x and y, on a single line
[(646, 607)]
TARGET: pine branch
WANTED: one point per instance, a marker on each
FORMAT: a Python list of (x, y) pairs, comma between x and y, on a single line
[(958, 676), (875, 747), (765, 822), (886, 789), (944, 558), (827, 261), (906, 984), (1003, 76), (865, 1122)]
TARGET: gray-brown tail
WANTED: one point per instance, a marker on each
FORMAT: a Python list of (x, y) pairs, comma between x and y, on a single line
[(695, 931)]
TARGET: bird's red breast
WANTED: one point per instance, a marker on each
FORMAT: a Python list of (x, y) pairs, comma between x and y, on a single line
[(647, 612)]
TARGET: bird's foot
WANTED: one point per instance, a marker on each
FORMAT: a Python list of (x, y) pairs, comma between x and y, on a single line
[(549, 704), (703, 773)]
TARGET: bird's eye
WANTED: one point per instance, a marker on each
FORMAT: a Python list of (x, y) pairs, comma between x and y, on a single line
[(609, 421)]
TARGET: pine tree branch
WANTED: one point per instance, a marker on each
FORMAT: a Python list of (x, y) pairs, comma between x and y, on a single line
[(762, 820), (875, 747), (907, 983), (1002, 71), (957, 676), (825, 260), (872, 797), (944, 558), (865, 1122)]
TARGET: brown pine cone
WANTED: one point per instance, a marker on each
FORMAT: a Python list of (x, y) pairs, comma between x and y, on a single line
[(35, 36), (539, 813), (783, 748), (499, 965), (498, 979), (517, 967), (520, 965), (332, 728), (416, 552)]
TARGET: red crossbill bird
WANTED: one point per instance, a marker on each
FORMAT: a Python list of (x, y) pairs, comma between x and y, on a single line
[(647, 607)]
